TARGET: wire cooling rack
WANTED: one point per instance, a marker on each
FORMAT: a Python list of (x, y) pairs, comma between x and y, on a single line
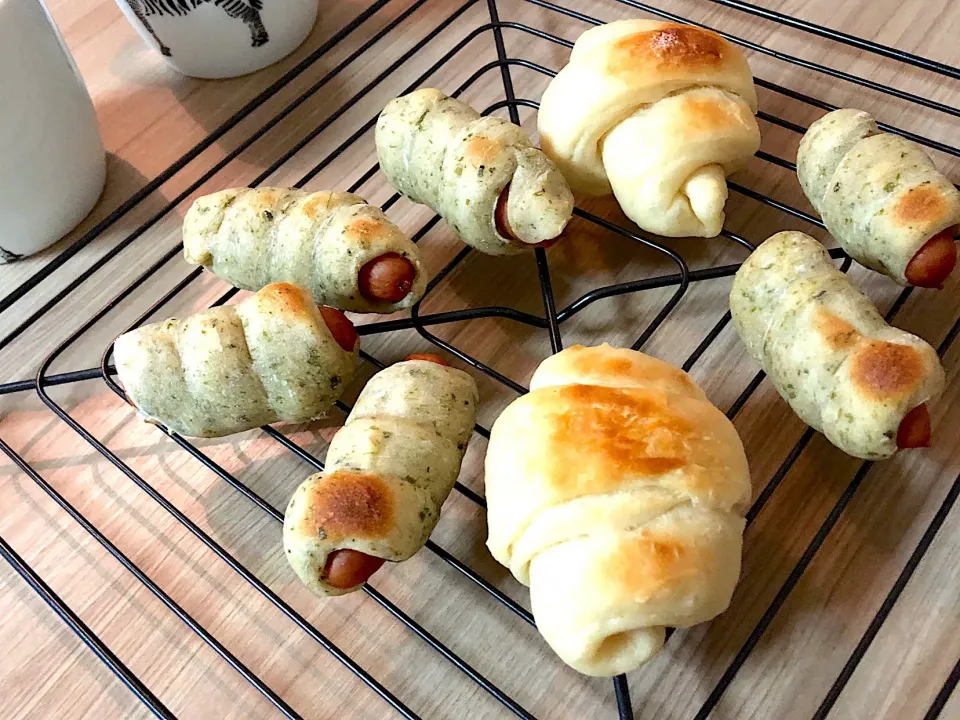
[(426, 325)]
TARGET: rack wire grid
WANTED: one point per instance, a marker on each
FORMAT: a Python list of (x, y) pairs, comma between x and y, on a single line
[(672, 284)]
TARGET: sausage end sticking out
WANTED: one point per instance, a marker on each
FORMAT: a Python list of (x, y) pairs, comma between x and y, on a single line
[(429, 357), (503, 226), (346, 569), (340, 327), (914, 430), (387, 278), (934, 262)]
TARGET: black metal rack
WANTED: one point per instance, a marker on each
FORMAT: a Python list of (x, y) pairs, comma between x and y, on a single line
[(551, 321)]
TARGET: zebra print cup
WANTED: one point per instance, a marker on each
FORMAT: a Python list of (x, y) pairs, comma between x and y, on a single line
[(222, 38)]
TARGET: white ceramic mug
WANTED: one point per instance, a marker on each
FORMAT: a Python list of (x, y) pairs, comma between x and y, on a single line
[(52, 162), (222, 38)]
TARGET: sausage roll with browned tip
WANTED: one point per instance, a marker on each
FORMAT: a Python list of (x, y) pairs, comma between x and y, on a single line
[(881, 197), (388, 471), (482, 174), (344, 251), (829, 352), (274, 356), (616, 492)]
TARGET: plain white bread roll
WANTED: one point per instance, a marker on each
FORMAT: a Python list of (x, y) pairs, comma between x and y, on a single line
[(440, 152), (879, 194), (388, 471), (827, 349), (658, 113), (236, 367), (616, 491), (251, 237)]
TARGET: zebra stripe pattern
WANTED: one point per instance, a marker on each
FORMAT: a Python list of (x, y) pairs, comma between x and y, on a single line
[(234, 8), (246, 10)]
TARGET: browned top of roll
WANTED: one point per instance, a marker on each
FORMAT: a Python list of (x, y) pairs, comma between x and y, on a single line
[(349, 504)]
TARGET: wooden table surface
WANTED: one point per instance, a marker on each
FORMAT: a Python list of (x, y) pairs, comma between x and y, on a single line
[(821, 556)]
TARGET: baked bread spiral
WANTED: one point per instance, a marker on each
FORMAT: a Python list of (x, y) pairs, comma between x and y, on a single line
[(498, 192), (658, 113), (332, 243), (881, 197), (388, 471), (616, 491), (830, 353), (273, 356)]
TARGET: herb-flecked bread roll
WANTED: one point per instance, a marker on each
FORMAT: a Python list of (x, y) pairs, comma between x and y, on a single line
[(657, 113), (829, 352), (616, 491), (273, 356), (344, 251), (881, 197), (388, 471), (482, 174)]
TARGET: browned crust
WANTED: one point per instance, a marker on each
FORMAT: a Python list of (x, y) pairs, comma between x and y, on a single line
[(836, 332), (885, 370), (316, 205), (672, 46), (630, 433), (925, 204), (481, 150), (651, 563), (348, 504), (287, 298), (266, 198), (597, 362), (362, 228), (707, 115)]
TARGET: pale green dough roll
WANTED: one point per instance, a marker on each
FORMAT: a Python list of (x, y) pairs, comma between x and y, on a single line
[(879, 194), (440, 152), (827, 349)]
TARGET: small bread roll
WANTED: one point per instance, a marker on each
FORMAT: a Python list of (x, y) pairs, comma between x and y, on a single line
[(320, 241), (388, 471), (616, 491), (440, 152), (271, 357), (828, 351), (658, 113), (879, 194)]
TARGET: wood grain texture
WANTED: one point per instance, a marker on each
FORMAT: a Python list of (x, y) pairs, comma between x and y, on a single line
[(151, 117)]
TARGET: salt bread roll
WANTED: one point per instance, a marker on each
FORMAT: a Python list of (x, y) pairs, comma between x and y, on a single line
[(658, 113), (616, 491), (236, 367), (388, 471), (251, 237), (879, 194), (827, 349), (440, 152)]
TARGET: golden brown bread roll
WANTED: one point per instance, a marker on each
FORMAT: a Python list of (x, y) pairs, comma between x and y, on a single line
[(827, 349), (879, 194), (236, 367), (388, 471), (322, 241), (440, 152), (658, 113), (616, 491)]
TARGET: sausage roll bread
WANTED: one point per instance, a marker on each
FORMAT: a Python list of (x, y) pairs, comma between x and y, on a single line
[(482, 174), (658, 113), (616, 491), (273, 356), (344, 251), (388, 471), (881, 197), (829, 352)]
